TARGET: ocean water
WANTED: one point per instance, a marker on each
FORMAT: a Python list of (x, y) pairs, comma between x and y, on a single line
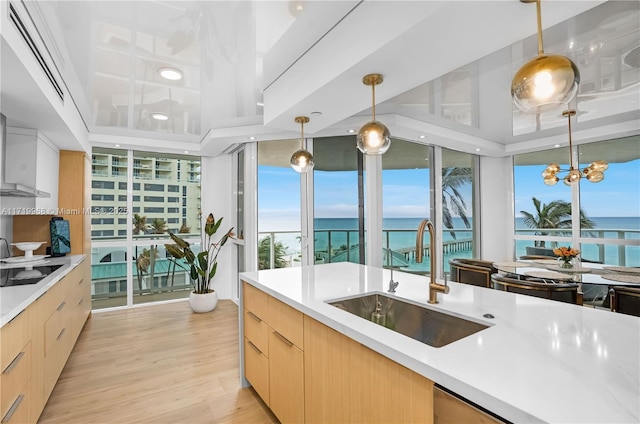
[(401, 233)]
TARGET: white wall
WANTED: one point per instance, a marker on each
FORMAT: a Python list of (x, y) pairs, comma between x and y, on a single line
[(6, 231), (217, 198), (496, 208)]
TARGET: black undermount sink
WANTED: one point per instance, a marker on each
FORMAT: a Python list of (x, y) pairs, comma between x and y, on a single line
[(423, 324)]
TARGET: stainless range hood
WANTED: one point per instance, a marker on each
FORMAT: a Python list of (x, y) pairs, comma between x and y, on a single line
[(9, 189)]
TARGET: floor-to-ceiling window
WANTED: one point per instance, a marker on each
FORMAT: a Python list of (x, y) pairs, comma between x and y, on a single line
[(608, 210), (542, 213), (406, 201), (137, 198), (613, 204), (338, 200), (457, 192), (279, 225)]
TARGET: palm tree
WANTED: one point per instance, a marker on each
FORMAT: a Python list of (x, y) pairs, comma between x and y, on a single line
[(453, 202), (157, 226), (279, 251), (143, 262), (139, 224), (140, 227), (184, 229), (556, 214)]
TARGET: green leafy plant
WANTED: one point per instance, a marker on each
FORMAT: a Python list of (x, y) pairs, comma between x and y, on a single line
[(552, 215), (203, 266)]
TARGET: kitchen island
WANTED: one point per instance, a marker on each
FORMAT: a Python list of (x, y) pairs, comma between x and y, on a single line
[(538, 360)]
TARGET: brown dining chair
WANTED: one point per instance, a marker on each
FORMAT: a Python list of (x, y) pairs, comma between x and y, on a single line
[(625, 300), (476, 272), (560, 291)]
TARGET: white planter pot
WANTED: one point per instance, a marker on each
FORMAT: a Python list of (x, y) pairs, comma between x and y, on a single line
[(201, 303)]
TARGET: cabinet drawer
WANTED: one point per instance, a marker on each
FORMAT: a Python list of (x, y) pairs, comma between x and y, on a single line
[(449, 409), (256, 369), (13, 336), (257, 331), (14, 378), (19, 409), (52, 299), (286, 321), (56, 326), (56, 357), (255, 301), (286, 387)]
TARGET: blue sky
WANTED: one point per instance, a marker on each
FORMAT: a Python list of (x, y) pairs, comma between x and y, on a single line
[(618, 195), (406, 194)]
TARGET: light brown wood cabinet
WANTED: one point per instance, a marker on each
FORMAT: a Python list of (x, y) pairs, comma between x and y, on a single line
[(74, 198), (36, 344), (63, 311), (274, 360), (348, 382), (451, 409), (307, 372), (15, 362)]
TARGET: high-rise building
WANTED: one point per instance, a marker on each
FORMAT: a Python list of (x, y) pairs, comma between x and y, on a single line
[(166, 190)]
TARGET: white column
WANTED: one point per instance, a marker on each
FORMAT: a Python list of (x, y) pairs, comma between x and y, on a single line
[(373, 209)]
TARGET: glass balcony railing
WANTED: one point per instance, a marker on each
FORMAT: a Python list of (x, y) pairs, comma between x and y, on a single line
[(611, 246), (282, 249)]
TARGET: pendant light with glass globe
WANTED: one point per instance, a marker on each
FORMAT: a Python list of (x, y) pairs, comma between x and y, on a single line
[(545, 82), (374, 137), (302, 160)]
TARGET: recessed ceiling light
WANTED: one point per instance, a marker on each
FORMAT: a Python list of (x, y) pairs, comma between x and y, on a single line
[(186, 151), (316, 113), (160, 116), (477, 150), (171, 74), (351, 131), (556, 145), (422, 136), (117, 145), (252, 138)]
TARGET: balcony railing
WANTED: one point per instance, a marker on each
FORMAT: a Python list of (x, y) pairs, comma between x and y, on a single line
[(609, 246), (343, 246), (612, 246)]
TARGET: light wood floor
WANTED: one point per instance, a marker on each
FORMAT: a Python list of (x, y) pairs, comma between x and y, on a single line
[(156, 364)]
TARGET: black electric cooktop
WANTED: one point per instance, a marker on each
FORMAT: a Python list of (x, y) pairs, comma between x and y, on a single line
[(25, 275)]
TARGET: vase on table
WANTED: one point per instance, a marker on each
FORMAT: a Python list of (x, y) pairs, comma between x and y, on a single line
[(567, 262)]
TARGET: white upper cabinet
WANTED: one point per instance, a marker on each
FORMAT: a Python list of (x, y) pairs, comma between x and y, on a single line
[(31, 161)]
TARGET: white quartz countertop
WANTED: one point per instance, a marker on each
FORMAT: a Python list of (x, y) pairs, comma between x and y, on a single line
[(15, 299), (539, 361)]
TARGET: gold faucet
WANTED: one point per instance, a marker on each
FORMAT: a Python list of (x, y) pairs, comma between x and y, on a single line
[(434, 287)]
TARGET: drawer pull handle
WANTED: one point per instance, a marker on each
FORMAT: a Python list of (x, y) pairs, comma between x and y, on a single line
[(283, 338), (61, 333), (255, 347), (81, 300), (254, 316), (13, 363), (81, 280), (62, 305), (14, 406)]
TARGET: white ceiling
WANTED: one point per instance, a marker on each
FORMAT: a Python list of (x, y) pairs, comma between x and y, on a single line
[(250, 67)]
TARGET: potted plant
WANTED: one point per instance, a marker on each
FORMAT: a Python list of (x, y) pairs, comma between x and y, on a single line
[(201, 267)]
